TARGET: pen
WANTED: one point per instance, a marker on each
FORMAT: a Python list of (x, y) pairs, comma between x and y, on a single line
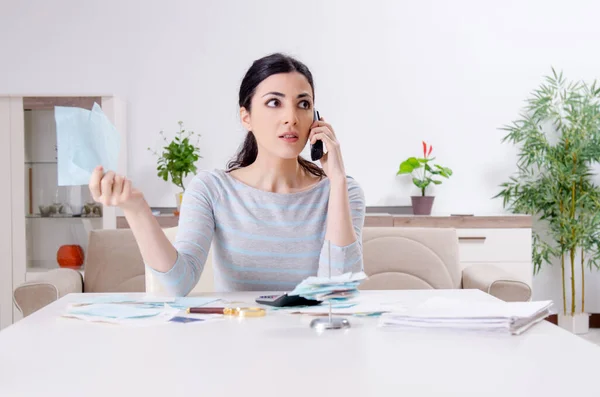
[(207, 310), (229, 311)]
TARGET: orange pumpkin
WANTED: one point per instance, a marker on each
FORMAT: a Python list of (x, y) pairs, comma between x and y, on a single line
[(70, 256)]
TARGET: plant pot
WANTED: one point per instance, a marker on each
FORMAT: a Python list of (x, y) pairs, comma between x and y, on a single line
[(422, 204), (579, 323), (178, 199)]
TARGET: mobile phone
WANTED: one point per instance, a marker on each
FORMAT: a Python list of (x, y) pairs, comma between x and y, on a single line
[(316, 150), (285, 300)]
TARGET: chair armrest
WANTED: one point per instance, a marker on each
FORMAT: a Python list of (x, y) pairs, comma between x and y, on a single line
[(52, 285), (496, 282)]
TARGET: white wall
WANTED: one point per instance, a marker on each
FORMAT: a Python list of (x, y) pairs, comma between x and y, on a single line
[(388, 75)]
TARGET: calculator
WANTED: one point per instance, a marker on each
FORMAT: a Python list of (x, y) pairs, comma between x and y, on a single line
[(286, 300)]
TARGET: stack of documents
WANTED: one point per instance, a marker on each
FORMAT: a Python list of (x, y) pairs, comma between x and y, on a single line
[(511, 317), (336, 289)]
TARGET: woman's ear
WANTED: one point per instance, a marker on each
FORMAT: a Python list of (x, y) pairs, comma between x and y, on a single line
[(245, 117)]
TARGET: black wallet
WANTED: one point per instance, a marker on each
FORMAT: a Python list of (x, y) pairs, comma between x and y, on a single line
[(285, 300)]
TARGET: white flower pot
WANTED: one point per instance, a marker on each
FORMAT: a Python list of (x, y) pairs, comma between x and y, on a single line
[(178, 199), (579, 323)]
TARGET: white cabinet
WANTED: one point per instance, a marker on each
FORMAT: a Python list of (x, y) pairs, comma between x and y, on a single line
[(508, 248), (28, 241)]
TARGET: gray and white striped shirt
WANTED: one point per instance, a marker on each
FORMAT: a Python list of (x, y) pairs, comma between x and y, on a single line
[(261, 241)]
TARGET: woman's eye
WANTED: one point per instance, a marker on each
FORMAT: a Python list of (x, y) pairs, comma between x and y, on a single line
[(275, 101), (305, 104)]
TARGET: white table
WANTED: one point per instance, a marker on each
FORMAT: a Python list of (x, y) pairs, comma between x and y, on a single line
[(279, 355)]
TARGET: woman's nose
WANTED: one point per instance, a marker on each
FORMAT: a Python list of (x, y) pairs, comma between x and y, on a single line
[(291, 117)]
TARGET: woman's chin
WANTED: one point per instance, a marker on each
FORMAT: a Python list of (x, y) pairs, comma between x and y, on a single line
[(288, 154)]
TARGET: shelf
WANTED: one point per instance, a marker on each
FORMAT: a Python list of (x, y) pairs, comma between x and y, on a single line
[(40, 162), (164, 220), (37, 216)]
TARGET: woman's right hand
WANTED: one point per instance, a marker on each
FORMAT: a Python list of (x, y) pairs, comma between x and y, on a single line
[(112, 189)]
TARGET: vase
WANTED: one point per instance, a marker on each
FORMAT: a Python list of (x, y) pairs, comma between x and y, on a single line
[(178, 200), (91, 209), (579, 323), (75, 201), (70, 256), (422, 204)]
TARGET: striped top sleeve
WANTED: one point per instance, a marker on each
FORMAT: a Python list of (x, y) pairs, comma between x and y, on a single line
[(194, 236), (348, 258)]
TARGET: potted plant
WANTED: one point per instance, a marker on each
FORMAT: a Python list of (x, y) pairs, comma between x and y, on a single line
[(178, 159), (423, 173), (558, 137)]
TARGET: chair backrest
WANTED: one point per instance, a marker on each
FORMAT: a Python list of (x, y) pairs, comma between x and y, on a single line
[(206, 283), (113, 262), (410, 258), (394, 258)]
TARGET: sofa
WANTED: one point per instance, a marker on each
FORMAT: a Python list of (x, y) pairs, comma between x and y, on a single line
[(428, 258), (393, 257)]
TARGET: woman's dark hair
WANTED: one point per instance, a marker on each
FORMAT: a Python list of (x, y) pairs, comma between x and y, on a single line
[(259, 71)]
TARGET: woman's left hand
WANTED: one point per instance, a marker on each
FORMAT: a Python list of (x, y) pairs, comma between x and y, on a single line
[(332, 161)]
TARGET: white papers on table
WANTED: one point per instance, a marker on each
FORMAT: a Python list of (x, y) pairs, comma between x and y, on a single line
[(126, 310), (177, 302), (438, 312), (121, 313), (348, 308)]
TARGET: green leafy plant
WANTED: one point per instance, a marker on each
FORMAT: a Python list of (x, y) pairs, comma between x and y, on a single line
[(178, 157), (423, 171), (558, 137)]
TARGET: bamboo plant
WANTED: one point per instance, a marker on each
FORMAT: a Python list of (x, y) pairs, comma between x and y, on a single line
[(558, 138)]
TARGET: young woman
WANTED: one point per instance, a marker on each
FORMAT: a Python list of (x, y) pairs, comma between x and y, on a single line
[(271, 214)]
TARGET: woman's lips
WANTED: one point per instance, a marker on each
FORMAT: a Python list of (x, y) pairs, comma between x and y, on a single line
[(289, 137)]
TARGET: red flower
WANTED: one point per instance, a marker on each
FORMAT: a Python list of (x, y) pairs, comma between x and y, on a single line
[(425, 153)]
